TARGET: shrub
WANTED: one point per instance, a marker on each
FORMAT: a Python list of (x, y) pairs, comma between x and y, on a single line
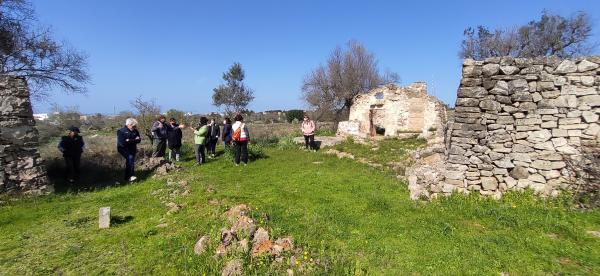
[(586, 168), (296, 114)]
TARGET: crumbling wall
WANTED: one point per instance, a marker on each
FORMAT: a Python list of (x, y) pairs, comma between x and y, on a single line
[(21, 169), (516, 122), (397, 110)]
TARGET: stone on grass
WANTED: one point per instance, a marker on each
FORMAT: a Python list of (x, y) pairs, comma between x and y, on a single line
[(104, 217), (201, 245), (233, 268)]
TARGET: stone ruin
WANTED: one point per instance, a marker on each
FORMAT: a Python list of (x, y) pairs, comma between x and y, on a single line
[(392, 111), (516, 125), (21, 169)]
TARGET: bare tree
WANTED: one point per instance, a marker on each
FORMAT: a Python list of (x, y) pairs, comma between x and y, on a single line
[(147, 111), (30, 51), (551, 35), (331, 88), (234, 96)]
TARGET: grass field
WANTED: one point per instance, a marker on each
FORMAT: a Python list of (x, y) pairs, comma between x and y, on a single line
[(351, 217)]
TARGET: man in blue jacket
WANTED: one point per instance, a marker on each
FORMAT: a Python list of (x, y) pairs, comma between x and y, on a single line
[(127, 139)]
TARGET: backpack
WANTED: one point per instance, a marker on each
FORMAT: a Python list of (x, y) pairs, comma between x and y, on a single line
[(237, 134)]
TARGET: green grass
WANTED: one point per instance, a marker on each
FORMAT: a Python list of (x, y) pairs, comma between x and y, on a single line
[(352, 217), (385, 151)]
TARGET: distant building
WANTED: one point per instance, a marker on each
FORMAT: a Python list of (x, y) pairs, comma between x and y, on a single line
[(41, 116)]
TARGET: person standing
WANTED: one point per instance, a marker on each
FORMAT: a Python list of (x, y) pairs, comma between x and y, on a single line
[(200, 141), (240, 138), (214, 132), (174, 140), (308, 130), (127, 139), (71, 147), (160, 132), (227, 132)]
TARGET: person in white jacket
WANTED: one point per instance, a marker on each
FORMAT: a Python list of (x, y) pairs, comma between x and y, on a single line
[(240, 138)]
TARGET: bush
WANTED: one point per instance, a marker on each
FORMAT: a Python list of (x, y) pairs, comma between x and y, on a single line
[(586, 168), (296, 114)]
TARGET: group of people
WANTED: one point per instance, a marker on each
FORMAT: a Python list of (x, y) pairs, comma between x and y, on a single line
[(169, 135)]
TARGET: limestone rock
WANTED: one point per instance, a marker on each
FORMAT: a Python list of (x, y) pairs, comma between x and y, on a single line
[(585, 66), (509, 70), (489, 183), (490, 69), (201, 244), (104, 217), (233, 268), (519, 172), (566, 66)]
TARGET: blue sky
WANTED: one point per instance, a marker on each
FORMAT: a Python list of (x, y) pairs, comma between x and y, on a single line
[(175, 51)]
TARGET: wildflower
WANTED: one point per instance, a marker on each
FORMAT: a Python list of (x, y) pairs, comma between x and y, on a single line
[(514, 206), (297, 262)]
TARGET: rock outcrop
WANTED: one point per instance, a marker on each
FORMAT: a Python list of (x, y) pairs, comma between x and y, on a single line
[(21, 168), (516, 123)]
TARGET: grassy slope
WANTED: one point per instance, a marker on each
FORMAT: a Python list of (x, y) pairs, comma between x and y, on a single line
[(358, 218)]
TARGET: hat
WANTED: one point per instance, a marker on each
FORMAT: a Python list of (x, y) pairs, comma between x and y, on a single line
[(74, 129)]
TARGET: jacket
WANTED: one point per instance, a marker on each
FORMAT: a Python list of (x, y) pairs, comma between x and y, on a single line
[(227, 132), (308, 127), (174, 137), (244, 135), (127, 140), (71, 146), (200, 135), (214, 131), (161, 133)]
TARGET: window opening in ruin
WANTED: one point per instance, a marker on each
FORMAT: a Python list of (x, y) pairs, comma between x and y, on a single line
[(379, 130), (379, 95)]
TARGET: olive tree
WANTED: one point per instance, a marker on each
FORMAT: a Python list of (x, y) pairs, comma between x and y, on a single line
[(331, 88), (552, 34), (233, 96)]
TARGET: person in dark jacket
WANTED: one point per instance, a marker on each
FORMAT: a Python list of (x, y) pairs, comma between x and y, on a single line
[(227, 132), (174, 140), (160, 132), (71, 147), (127, 139), (214, 131)]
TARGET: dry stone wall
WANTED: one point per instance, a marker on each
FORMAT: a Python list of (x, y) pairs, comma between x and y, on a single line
[(515, 124), (21, 169)]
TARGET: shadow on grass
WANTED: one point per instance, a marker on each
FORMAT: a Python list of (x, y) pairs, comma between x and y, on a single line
[(95, 173), (118, 220)]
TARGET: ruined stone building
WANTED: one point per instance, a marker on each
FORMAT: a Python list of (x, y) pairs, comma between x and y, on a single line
[(517, 123), (390, 110), (21, 169)]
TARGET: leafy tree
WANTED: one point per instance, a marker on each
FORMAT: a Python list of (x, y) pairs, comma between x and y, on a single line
[(551, 35), (177, 114), (234, 96), (331, 88), (31, 51), (297, 114)]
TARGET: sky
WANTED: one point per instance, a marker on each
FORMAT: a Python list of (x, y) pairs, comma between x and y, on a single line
[(175, 52)]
